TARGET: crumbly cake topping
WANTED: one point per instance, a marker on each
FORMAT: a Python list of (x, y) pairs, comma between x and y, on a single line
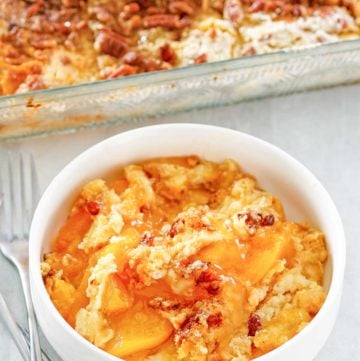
[(89, 321)]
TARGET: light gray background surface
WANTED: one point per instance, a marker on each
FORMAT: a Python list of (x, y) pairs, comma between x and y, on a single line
[(321, 129)]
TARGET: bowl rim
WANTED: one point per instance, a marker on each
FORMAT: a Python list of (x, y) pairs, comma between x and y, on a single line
[(338, 264)]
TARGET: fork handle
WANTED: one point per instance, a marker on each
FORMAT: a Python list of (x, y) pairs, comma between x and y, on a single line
[(14, 330), (35, 350)]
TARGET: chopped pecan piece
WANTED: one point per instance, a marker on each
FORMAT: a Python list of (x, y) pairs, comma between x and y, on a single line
[(129, 10), (81, 25), (35, 82), (210, 281), (43, 43), (133, 58), (190, 323), (215, 320), (180, 7), (123, 70), (256, 219), (162, 304), (176, 227), (132, 8), (299, 10), (111, 43), (207, 276), (167, 53), (254, 324), (185, 262), (250, 51), (63, 28), (33, 9), (233, 11), (256, 6), (273, 5), (103, 15), (163, 20), (72, 41), (65, 60), (144, 209), (42, 24), (213, 34), (201, 59), (135, 22), (281, 8), (268, 220), (93, 208), (252, 220), (147, 239), (184, 22), (153, 10)]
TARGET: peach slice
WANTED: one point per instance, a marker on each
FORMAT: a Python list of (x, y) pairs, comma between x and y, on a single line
[(252, 259), (62, 294), (129, 239), (119, 250), (80, 299), (137, 330), (262, 257), (119, 185), (116, 298), (72, 232)]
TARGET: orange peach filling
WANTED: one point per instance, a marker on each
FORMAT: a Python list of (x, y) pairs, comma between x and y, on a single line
[(184, 259)]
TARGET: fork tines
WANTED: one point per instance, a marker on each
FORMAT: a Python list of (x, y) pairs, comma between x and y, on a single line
[(19, 192)]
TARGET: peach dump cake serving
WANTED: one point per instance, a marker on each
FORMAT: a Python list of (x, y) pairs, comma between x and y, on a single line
[(184, 259), (50, 43)]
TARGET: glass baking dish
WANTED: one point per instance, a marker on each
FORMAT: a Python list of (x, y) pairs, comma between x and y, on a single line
[(178, 90)]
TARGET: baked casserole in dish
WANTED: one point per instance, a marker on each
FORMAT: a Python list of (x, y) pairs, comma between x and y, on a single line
[(52, 43)]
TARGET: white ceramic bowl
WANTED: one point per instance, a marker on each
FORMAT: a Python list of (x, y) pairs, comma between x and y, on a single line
[(301, 193)]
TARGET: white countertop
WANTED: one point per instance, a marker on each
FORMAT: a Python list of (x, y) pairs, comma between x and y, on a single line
[(321, 129)]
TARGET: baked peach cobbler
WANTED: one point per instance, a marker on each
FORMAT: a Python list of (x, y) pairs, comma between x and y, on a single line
[(51, 43), (184, 259)]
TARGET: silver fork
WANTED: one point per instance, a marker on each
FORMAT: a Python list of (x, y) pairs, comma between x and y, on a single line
[(20, 193), (19, 335), (14, 330)]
